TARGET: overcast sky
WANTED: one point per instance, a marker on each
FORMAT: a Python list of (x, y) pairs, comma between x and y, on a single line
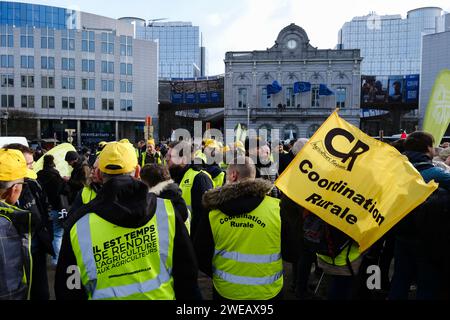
[(246, 25)]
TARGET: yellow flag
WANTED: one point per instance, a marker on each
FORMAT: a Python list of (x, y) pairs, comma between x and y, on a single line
[(355, 183), (437, 117), (59, 153)]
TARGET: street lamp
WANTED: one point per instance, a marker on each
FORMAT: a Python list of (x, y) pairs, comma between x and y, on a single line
[(5, 116), (62, 129)]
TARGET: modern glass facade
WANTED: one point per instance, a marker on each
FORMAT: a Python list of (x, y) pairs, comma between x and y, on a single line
[(52, 69), (389, 44), (179, 48), (24, 14)]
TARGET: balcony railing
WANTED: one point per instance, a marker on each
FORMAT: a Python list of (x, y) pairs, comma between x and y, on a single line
[(291, 112)]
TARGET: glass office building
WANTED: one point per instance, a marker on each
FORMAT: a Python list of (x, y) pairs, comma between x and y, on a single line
[(24, 14), (391, 45), (180, 49), (63, 69)]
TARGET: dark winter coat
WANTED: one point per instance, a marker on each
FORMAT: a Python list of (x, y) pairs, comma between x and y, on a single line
[(78, 179), (54, 186), (233, 200), (15, 230), (34, 199), (125, 202)]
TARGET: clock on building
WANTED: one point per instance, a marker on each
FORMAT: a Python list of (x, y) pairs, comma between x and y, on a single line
[(292, 44)]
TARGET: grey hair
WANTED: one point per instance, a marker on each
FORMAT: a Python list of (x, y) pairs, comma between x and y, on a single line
[(5, 185), (298, 146)]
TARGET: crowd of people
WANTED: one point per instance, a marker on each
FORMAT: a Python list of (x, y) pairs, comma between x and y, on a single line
[(140, 221)]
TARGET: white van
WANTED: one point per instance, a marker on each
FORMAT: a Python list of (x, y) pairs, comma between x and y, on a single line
[(8, 140)]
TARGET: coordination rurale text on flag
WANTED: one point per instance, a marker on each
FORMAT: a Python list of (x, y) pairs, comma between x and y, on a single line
[(355, 183)]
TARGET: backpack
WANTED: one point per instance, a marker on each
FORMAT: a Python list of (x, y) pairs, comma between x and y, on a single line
[(322, 238)]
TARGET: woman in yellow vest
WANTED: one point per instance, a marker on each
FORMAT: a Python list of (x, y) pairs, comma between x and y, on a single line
[(240, 244), (126, 244)]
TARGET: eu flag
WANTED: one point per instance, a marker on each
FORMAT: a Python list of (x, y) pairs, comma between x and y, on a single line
[(324, 91), (301, 87), (274, 88)]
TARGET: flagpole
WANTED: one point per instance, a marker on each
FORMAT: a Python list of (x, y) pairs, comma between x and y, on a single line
[(248, 117)]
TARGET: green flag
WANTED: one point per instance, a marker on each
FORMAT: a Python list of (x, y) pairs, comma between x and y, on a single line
[(437, 117)]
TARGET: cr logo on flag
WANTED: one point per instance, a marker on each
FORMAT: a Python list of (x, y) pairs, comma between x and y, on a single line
[(359, 148)]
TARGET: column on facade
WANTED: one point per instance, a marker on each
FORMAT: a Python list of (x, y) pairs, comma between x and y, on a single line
[(117, 130)]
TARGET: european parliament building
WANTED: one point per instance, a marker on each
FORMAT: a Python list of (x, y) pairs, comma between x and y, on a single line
[(64, 69)]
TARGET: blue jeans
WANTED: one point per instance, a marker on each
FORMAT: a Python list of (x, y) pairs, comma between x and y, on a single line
[(411, 265), (58, 232)]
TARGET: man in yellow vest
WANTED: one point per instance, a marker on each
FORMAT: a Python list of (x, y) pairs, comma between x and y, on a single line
[(151, 156), (240, 245), (126, 244), (214, 156), (16, 226), (193, 181)]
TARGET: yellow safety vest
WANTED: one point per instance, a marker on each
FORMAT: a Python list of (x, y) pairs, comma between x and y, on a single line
[(341, 259), (159, 159), (87, 195), (219, 180), (247, 263), (118, 263), (186, 191)]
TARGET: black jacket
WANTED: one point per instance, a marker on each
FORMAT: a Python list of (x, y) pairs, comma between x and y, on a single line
[(78, 179), (202, 183), (54, 186), (125, 202), (285, 161), (33, 199), (15, 263), (169, 190), (232, 200)]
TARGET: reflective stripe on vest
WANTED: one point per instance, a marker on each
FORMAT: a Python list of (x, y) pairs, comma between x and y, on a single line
[(87, 195), (100, 283), (250, 258), (247, 262)]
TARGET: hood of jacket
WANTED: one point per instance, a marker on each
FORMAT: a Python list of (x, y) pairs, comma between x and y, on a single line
[(237, 198), (22, 220), (123, 201), (166, 190), (213, 170)]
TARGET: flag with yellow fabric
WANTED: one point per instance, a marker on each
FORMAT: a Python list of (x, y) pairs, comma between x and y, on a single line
[(437, 117), (353, 182)]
